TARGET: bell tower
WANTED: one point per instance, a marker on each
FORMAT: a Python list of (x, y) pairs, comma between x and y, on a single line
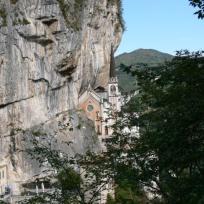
[(114, 96)]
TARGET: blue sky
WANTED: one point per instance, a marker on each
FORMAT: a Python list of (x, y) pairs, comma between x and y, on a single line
[(164, 25)]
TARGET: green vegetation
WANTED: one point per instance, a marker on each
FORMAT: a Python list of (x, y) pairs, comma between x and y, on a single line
[(69, 183), (13, 1), (19, 21), (120, 14), (72, 15), (3, 15), (38, 133), (25, 21), (69, 180), (166, 160), (64, 9), (120, 11), (148, 57), (125, 193), (168, 155)]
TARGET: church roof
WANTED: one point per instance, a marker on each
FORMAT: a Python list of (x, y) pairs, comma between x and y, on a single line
[(89, 93)]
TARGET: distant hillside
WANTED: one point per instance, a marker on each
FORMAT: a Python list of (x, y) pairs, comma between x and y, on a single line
[(148, 56)]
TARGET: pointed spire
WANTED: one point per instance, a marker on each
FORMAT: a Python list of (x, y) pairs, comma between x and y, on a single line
[(112, 64)]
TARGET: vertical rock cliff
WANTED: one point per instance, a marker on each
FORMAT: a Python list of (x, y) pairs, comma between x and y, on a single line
[(50, 52)]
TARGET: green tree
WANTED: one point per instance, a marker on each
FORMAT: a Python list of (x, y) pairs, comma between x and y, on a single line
[(166, 159), (200, 5), (72, 179)]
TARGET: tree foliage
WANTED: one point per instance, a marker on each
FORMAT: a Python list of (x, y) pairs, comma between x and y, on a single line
[(200, 5), (74, 179), (166, 159)]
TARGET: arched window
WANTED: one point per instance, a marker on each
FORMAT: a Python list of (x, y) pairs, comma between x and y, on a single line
[(98, 129), (106, 130), (97, 115), (113, 89)]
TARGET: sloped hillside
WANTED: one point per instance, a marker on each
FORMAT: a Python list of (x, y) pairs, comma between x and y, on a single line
[(147, 56)]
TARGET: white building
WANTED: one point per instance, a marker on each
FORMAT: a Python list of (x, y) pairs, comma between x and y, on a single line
[(3, 178), (5, 185)]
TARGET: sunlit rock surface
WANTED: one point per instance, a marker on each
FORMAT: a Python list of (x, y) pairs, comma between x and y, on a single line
[(50, 51)]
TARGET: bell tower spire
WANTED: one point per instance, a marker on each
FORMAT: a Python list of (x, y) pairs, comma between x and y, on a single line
[(113, 90)]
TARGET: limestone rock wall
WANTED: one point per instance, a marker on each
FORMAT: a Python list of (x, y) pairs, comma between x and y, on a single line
[(50, 51), (46, 59)]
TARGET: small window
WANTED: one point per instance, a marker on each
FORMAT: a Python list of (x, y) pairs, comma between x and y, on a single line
[(97, 115), (3, 174), (106, 130), (113, 89)]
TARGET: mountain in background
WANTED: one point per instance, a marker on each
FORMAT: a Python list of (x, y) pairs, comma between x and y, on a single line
[(147, 56)]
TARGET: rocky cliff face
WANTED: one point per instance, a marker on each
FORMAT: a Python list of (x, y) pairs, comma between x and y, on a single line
[(50, 51)]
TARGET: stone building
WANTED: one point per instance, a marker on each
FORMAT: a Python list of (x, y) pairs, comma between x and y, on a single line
[(101, 104)]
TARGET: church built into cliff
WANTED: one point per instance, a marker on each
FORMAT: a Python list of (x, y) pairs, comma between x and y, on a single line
[(101, 105)]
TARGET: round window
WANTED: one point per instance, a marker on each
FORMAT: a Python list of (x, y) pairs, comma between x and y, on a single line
[(90, 108)]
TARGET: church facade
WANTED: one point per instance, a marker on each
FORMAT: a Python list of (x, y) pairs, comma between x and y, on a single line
[(101, 104)]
